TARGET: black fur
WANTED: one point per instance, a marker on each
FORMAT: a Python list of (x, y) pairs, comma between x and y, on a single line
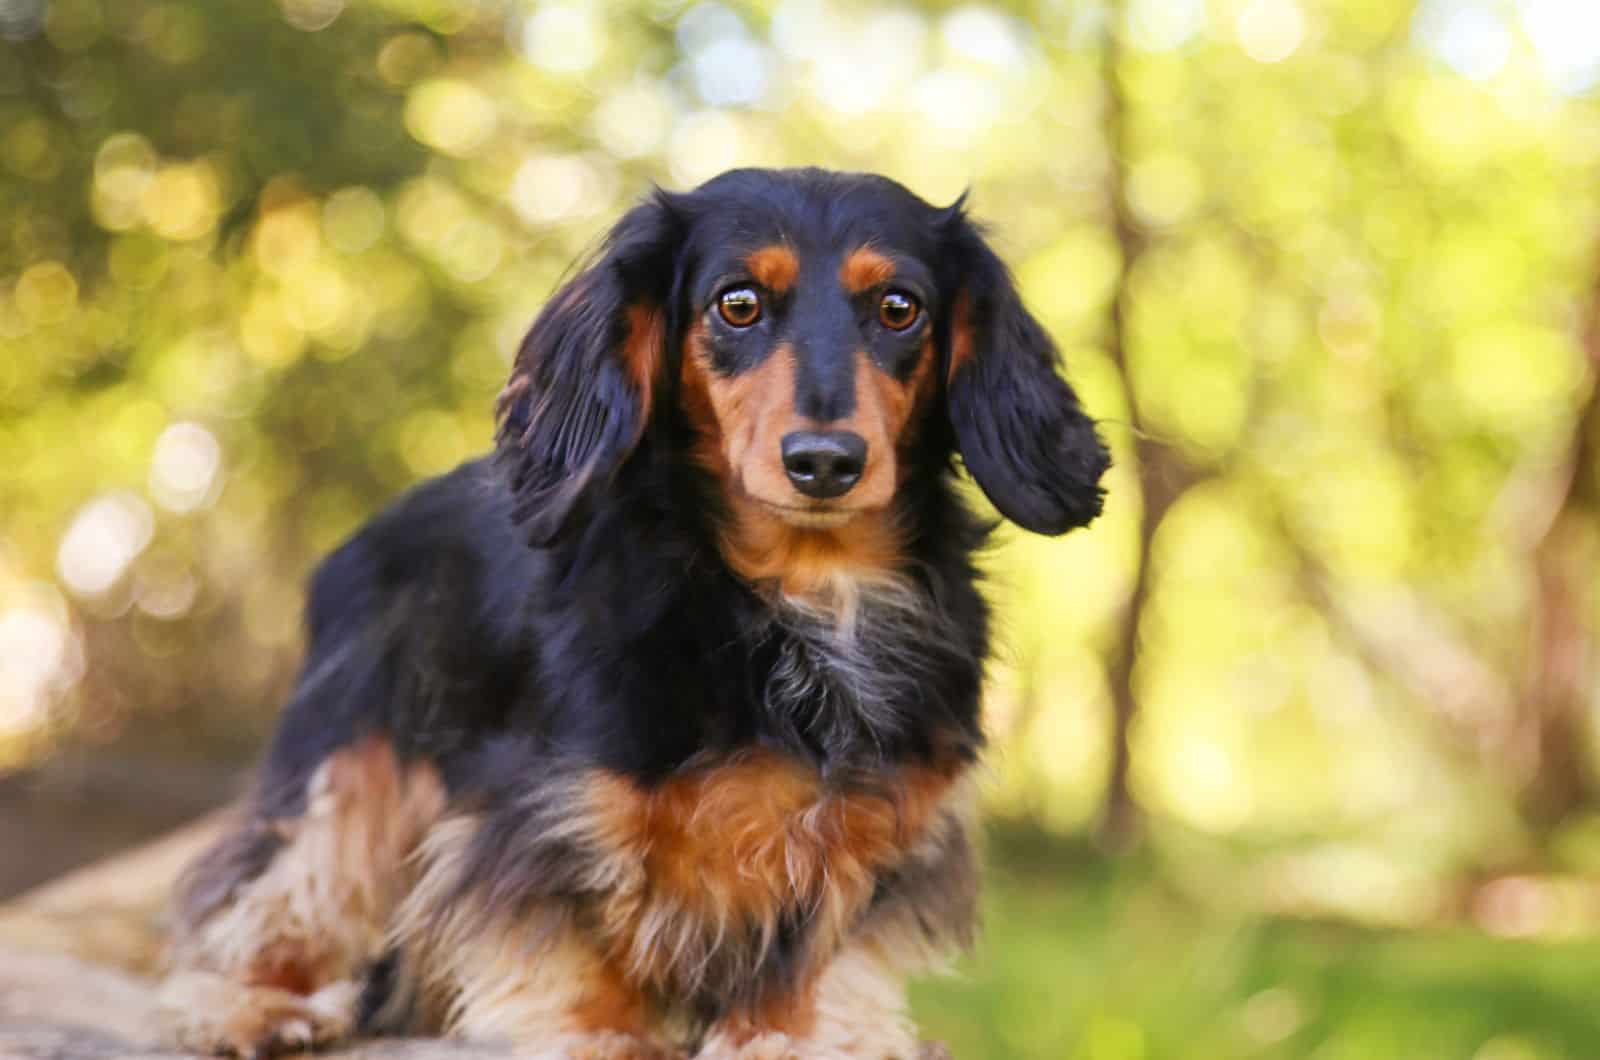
[(573, 414), (1021, 431)]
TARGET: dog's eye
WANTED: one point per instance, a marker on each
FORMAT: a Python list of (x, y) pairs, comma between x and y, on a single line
[(898, 310), (740, 307)]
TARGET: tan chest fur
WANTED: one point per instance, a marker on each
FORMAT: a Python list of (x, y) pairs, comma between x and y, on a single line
[(719, 857)]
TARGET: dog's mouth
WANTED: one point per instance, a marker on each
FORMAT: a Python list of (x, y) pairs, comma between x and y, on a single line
[(811, 517)]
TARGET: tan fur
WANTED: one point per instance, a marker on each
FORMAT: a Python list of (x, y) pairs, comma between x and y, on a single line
[(750, 414), (774, 267), (740, 422), (888, 413), (741, 841), (855, 1010), (641, 353), (864, 269), (861, 1007), (320, 909), (695, 378), (537, 980), (696, 869), (856, 1007), (960, 335), (206, 1012), (904, 404), (898, 933), (816, 568)]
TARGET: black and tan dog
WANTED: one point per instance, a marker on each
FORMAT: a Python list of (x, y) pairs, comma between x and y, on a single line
[(649, 736)]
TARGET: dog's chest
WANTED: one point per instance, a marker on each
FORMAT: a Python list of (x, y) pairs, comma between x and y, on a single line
[(851, 685), (740, 865)]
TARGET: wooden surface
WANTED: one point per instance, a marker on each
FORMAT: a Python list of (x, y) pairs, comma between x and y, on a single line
[(79, 808), (54, 1007), (112, 912)]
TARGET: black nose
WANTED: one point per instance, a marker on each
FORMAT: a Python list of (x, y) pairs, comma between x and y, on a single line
[(824, 463)]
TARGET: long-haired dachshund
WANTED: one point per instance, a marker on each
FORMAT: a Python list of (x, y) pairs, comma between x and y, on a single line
[(650, 735)]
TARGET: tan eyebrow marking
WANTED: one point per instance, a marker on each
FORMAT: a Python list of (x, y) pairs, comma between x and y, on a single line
[(774, 267), (865, 269)]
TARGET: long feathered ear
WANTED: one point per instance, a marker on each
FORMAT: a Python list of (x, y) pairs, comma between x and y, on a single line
[(1022, 433), (581, 390)]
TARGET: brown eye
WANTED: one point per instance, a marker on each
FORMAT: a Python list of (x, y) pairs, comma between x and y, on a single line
[(740, 307), (898, 310)]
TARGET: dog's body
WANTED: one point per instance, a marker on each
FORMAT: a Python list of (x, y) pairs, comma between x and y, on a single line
[(690, 772)]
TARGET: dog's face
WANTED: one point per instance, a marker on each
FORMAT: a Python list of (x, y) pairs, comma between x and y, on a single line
[(808, 361), (811, 329)]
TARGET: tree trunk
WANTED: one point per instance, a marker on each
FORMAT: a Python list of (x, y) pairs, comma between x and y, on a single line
[(1163, 475), (1550, 738)]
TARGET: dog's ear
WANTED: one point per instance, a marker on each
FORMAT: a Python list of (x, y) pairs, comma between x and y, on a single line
[(585, 377), (1021, 431)]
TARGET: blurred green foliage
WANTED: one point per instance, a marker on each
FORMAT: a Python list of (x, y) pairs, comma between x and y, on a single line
[(1089, 960), (1325, 268)]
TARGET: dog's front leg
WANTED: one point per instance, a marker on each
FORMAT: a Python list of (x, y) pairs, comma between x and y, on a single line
[(855, 1009), (530, 976), (277, 924), (545, 990)]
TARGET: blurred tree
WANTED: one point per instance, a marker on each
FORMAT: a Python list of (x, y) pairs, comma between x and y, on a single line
[(1162, 475), (1553, 732)]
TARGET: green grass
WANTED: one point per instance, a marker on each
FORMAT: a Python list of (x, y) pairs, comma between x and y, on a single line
[(1086, 960)]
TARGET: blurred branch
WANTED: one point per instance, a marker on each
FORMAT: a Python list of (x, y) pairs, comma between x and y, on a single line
[(1396, 633), (1537, 724), (1532, 723), (1163, 475), (1549, 735), (1120, 816)]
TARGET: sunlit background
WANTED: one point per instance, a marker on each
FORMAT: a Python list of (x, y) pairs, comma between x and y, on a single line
[(1294, 750)]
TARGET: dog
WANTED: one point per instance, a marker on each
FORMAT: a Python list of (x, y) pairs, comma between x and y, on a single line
[(651, 734)]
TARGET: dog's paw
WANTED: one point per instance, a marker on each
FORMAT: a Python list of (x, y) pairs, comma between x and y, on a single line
[(206, 1013), (768, 1046), (602, 1045)]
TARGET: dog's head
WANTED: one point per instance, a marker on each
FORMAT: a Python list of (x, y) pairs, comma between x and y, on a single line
[(811, 329)]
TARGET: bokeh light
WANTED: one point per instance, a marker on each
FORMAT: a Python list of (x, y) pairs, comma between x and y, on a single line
[(41, 657), (1270, 30), (103, 540), (184, 472)]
